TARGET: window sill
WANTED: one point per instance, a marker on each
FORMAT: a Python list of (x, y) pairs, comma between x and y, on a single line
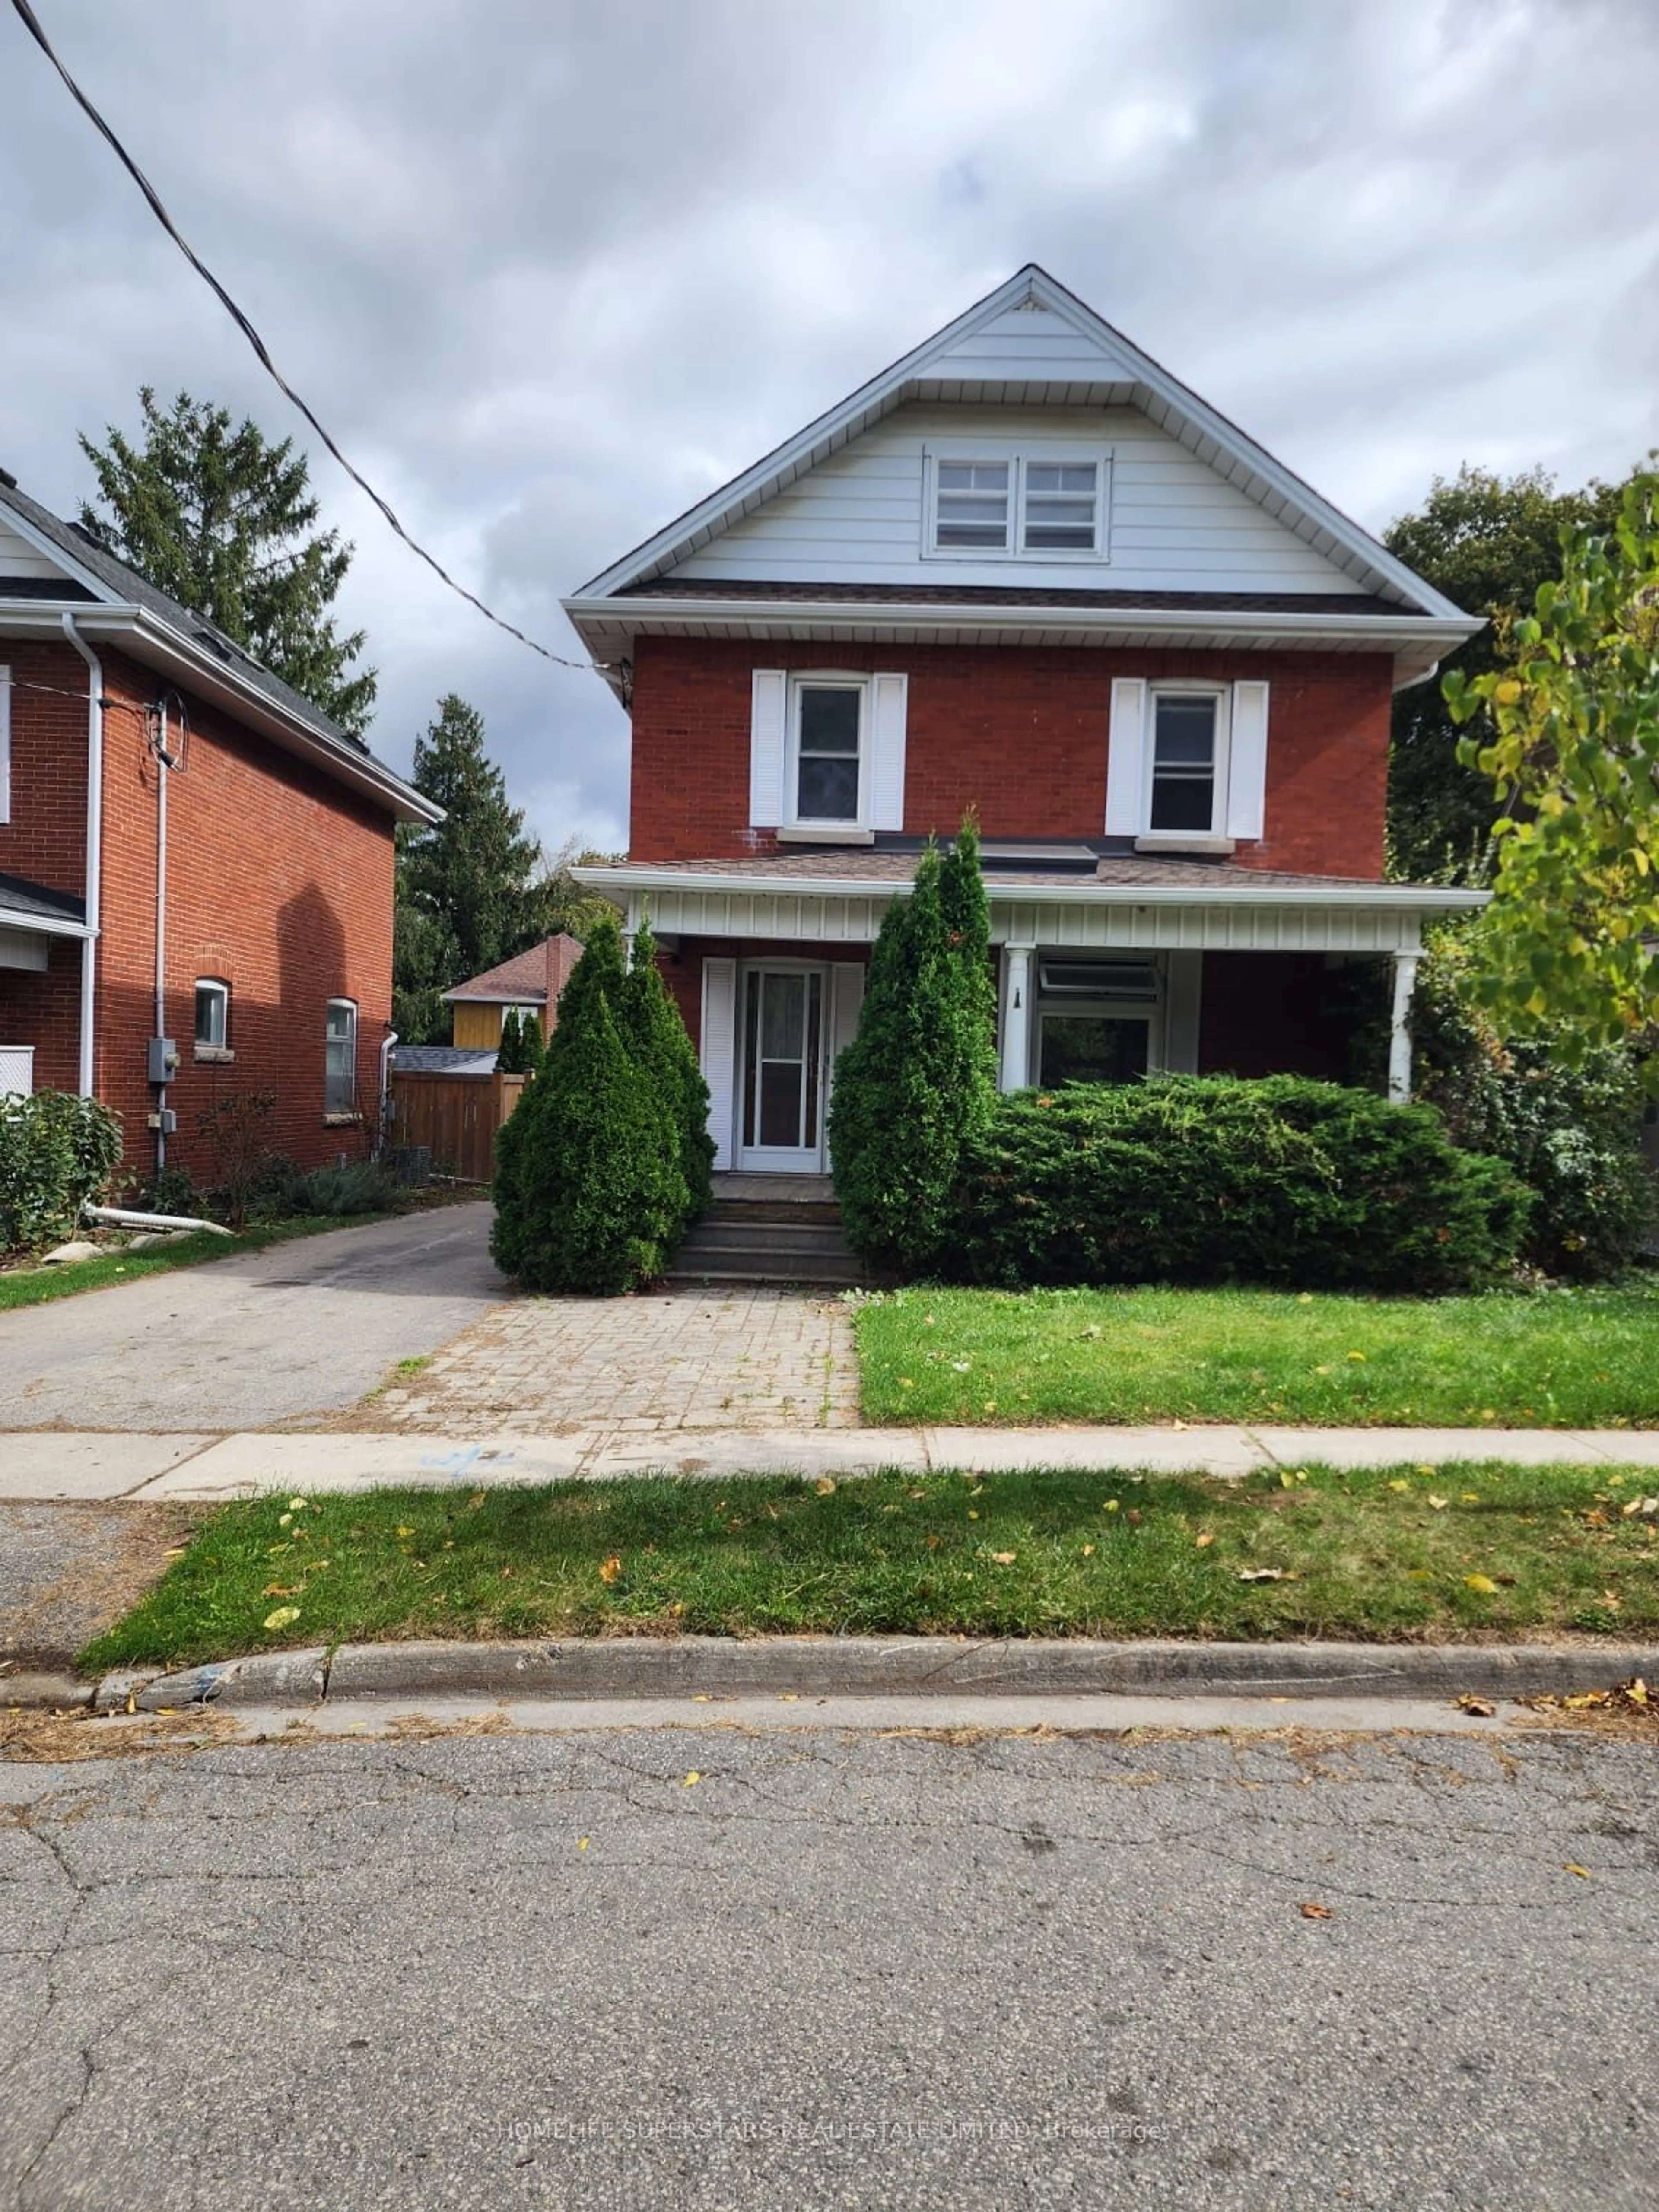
[(352, 1120), (216, 1055), (1180, 840), (825, 833)]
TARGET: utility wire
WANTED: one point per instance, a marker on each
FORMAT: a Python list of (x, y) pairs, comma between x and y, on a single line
[(31, 23)]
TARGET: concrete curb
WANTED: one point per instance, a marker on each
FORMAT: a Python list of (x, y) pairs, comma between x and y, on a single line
[(717, 1666)]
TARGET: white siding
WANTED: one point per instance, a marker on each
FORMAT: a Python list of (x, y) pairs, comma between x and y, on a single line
[(19, 558), (1030, 344), (1176, 524)]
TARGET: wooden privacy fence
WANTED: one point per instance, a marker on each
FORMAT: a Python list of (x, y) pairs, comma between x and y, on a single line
[(454, 1116)]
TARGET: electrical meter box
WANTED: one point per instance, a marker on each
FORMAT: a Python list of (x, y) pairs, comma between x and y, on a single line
[(163, 1059)]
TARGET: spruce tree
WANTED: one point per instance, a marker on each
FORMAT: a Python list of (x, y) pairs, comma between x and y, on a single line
[(589, 1193), (225, 523), (530, 1047), (509, 1054), (967, 924), (662, 1048)]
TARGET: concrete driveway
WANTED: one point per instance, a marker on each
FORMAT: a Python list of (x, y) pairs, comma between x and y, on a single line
[(302, 1330)]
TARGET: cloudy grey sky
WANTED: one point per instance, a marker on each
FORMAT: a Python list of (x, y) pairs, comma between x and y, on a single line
[(550, 270)]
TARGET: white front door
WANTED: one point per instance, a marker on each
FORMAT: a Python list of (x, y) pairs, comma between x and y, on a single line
[(783, 1067)]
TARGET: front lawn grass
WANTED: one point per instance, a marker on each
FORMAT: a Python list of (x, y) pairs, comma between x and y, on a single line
[(1557, 1358), (1450, 1552)]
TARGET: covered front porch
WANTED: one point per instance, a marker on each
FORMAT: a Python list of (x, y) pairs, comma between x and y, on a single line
[(1134, 968)]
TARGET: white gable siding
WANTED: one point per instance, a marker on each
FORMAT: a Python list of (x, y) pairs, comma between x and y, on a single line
[(1176, 525), (19, 558), (1030, 344)]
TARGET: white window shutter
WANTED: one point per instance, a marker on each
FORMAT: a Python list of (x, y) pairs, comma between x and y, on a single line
[(768, 712), (1125, 758), (718, 1051), (888, 708), (1247, 770)]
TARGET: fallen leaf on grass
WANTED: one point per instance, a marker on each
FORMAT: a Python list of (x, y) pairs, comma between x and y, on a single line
[(609, 1569), (1088, 1550), (281, 1589), (1316, 1912), (1202, 1542), (1400, 1486), (1268, 1575), (825, 1485), (932, 1541), (281, 1618), (1482, 1707), (1438, 1504), (401, 1531), (1483, 1583), (1004, 1559)]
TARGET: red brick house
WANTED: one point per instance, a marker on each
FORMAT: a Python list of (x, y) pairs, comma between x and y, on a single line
[(196, 866), (1027, 572)]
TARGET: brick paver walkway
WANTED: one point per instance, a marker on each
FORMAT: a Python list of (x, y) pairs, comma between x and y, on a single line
[(647, 1366)]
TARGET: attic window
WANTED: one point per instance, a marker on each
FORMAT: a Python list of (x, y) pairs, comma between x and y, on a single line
[(1047, 501)]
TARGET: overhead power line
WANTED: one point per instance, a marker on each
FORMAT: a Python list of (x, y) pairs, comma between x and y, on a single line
[(32, 24)]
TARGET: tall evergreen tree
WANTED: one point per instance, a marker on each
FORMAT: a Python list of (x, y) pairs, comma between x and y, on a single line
[(225, 522), (662, 1046), (967, 924), (465, 896), (509, 1054)]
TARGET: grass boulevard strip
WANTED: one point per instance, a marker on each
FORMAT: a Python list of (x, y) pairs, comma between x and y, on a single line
[(1481, 1549), (1553, 1358)]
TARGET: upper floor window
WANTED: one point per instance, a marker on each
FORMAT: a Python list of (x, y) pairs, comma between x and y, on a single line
[(1188, 780), (827, 747), (340, 1057), (212, 1014), (1042, 504)]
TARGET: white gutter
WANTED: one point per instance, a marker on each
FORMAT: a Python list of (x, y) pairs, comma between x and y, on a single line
[(40, 925), (95, 871), (781, 616), (1087, 891)]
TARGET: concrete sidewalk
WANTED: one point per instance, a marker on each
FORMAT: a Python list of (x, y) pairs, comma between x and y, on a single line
[(47, 1465)]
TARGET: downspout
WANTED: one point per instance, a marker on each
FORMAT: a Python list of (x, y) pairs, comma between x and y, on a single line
[(94, 869), (390, 1039), (161, 1028)]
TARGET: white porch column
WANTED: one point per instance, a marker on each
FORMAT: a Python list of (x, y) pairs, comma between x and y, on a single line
[(1400, 1035), (1016, 1070)]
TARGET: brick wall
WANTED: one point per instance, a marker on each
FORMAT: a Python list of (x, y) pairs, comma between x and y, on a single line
[(1020, 733), (1273, 1013), (279, 882)]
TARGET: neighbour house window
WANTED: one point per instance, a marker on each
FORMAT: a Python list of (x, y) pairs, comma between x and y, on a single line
[(1188, 765), (212, 1014), (827, 729), (1035, 505), (523, 1013), (340, 1059)]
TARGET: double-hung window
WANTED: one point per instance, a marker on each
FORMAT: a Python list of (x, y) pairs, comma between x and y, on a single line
[(340, 1058), (828, 721), (1187, 778), (1044, 503)]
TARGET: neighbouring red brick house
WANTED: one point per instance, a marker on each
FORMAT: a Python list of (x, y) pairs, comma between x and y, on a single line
[(228, 890), (1023, 571)]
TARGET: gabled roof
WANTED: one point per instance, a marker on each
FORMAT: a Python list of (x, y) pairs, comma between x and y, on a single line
[(97, 580), (532, 977), (965, 361)]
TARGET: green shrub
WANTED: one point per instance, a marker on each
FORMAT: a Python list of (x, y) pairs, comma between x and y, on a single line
[(531, 1044), (589, 1195), (917, 1084), (1186, 1179), (1570, 1130), (509, 1054), (172, 1191), (360, 1187), (57, 1153), (657, 1038)]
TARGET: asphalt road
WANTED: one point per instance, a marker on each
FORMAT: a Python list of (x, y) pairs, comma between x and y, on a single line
[(832, 1972), (304, 1329)]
